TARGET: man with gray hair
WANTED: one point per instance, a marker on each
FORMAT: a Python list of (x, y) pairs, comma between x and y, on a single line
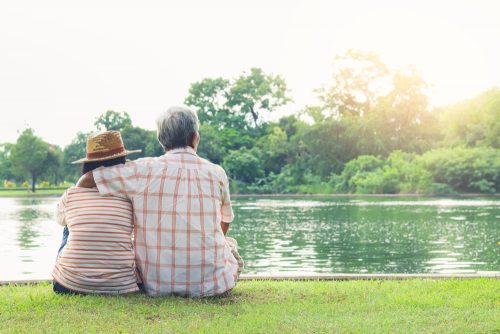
[(182, 212)]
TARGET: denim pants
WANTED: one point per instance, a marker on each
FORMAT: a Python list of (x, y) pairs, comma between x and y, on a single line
[(58, 288), (64, 240)]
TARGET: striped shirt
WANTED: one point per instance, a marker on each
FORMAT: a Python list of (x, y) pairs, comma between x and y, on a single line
[(179, 201), (98, 256)]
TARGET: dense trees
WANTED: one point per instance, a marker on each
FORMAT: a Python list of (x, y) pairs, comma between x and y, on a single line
[(30, 157), (373, 131)]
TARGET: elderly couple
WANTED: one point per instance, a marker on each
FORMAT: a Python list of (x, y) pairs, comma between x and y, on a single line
[(153, 224)]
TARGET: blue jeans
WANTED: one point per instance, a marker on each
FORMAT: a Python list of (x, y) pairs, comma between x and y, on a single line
[(64, 240)]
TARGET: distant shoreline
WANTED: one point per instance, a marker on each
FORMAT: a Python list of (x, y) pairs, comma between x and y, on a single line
[(368, 195), (57, 192)]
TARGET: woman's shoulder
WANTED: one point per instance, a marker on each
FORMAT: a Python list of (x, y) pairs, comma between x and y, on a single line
[(75, 194), (75, 190)]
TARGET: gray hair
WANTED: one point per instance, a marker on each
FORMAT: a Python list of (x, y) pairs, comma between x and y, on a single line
[(176, 127)]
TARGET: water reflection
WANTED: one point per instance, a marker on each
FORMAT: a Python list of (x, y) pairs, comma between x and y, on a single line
[(325, 235), (28, 236), (376, 235)]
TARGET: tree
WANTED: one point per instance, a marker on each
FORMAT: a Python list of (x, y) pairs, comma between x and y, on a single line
[(211, 146), (359, 80), (273, 150), (29, 156), (54, 164), (256, 93), (209, 98), (136, 138), (5, 162), (404, 116), (238, 103), (243, 166), (74, 151), (474, 122), (113, 121)]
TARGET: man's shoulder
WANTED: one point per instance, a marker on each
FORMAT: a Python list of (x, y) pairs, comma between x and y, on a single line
[(146, 161), (210, 165)]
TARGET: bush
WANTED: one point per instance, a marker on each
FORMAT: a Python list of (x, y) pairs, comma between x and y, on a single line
[(465, 169), (64, 184), (243, 166), (441, 171), (43, 184), (8, 184), (354, 173)]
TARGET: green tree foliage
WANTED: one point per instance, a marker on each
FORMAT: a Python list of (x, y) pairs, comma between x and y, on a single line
[(273, 150), (136, 138), (29, 156), (372, 132), (256, 93), (475, 122), (113, 121), (383, 109), (243, 166), (211, 144), (5, 162), (465, 169), (54, 165), (443, 170), (404, 115), (76, 150), (237, 103), (359, 80)]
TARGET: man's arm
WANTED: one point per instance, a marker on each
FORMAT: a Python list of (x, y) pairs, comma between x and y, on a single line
[(226, 209), (119, 180)]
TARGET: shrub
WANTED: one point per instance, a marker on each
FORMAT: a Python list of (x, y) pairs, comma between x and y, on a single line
[(243, 166), (43, 184), (8, 184), (465, 169)]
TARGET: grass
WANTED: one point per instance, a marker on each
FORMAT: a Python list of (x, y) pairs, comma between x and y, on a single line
[(28, 193), (410, 306)]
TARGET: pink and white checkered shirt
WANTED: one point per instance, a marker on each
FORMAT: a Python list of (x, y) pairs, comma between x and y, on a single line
[(179, 201)]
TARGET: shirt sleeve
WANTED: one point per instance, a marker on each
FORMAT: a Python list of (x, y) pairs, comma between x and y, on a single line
[(61, 209), (120, 180), (226, 209)]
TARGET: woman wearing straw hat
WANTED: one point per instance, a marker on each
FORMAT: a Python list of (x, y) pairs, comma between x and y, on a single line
[(97, 256)]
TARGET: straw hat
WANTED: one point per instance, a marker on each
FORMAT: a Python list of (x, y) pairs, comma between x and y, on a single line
[(104, 145)]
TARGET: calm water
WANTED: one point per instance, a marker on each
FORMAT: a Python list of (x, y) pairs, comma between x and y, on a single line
[(306, 235)]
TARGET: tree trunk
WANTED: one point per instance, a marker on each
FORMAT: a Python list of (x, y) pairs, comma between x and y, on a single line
[(254, 115), (33, 182)]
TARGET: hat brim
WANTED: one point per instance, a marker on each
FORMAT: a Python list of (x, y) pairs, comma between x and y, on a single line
[(109, 157)]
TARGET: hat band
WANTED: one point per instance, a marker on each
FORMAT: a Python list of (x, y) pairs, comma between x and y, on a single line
[(97, 155)]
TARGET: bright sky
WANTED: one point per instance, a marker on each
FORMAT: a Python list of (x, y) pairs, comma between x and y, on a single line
[(62, 66)]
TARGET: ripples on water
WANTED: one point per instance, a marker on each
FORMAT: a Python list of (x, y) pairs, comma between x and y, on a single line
[(368, 235), (304, 235)]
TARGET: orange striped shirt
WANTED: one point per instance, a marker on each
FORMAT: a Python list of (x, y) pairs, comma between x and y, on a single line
[(98, 257)]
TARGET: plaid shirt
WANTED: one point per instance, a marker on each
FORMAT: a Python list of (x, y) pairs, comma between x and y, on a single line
[(179, 201)]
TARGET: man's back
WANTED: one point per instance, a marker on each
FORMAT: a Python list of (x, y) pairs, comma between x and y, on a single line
[(179, 202)]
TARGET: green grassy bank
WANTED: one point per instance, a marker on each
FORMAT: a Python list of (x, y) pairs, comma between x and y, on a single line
[(410, 306)]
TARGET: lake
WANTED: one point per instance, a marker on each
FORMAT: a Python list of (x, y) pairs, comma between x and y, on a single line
[(304, 235)]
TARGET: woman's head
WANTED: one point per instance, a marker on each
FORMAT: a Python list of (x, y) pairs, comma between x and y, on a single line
[(90, 166), (104, 149)]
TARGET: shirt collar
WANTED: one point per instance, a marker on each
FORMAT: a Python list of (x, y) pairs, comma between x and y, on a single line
[(187, 150)]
